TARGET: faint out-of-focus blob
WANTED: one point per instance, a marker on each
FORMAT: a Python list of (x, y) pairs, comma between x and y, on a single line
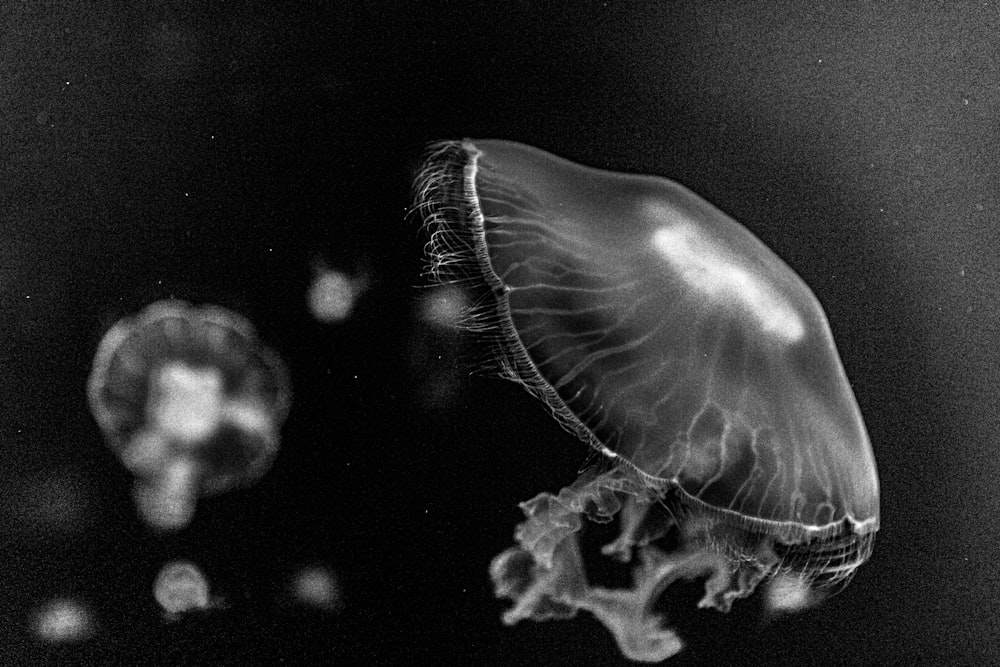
[(789, 593), (444, 307), (333, 294), (317, 586), (63, 621), (436, 347), (48, 506), (182, 588), (191, 402)]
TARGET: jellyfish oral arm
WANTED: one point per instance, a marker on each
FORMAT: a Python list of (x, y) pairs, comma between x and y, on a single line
[(168, 501)]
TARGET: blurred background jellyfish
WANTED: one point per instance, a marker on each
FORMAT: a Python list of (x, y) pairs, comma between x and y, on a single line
[(181, 588), (671, 340), (191, 403), (333, 294), (316, 586), (63, 620)]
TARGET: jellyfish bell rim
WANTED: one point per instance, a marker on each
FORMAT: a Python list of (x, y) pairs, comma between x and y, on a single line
[(456, 253), (132, 325)]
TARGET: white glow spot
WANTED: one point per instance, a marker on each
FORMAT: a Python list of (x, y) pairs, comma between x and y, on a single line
[(333, 294), (788, 593), (706, 267), (317, 587), (63, 621), (445, 307)]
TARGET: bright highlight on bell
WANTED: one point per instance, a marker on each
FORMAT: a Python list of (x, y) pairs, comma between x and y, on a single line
[(666, 336), (706, 268)]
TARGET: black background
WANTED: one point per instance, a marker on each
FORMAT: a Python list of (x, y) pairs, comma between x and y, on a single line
[(217, 152)]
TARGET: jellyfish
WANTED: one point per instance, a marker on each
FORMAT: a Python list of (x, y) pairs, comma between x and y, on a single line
[(181, 588), (63, 621), (698, 366), (190, 402), (333, 294), (316, 586)]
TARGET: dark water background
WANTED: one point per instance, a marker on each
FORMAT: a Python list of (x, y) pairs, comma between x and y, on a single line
[(216, 153)]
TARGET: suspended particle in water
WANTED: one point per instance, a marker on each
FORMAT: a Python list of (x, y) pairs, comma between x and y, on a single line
[(333, 295), (191, 402), (696, 363), (62, 621), (181, 588)]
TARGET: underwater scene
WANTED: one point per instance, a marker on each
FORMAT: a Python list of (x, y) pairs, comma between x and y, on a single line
[(499, 333)]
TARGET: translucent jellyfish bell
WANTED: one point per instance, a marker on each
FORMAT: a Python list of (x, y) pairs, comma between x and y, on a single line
[(191, 403), (181, 588), (671, 340)]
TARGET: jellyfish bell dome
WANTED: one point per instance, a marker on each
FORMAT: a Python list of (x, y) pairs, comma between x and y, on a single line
[(665, 335)]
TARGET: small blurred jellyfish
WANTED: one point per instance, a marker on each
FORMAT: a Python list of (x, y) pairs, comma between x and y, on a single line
[(316, 586), (62, 621), (191, 403), (181, 588), (697, 365), (333, 294)]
